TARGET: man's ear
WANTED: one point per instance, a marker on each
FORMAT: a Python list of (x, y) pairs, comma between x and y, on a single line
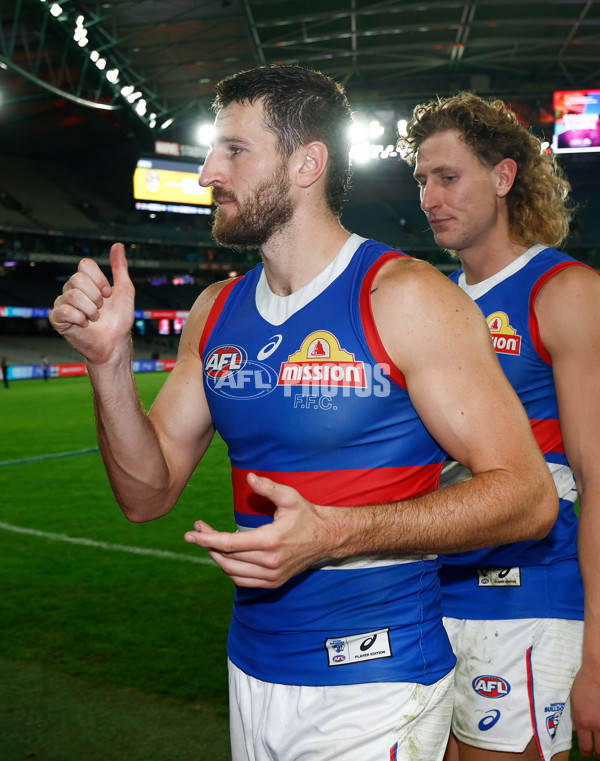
[(311, 163), (505, 171)]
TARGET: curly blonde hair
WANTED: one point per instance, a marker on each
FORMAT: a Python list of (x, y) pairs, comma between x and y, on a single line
[(538, 202)]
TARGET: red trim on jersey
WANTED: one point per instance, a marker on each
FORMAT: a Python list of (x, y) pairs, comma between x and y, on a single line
[(215, 313), (345, 487), (366, 311), (534, 328), (536, 735), (548, 436)]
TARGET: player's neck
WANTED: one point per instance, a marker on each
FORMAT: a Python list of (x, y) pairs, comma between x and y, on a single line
[(482, 262), (299, 252)]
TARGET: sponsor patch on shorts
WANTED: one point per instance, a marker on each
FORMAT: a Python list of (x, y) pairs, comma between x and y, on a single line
[(499, 577), (341, 651)]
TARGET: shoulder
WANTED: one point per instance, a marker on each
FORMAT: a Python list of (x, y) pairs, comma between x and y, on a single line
[(416, 287), (570, 284), (421, 314), (567, 310), (199, 315)]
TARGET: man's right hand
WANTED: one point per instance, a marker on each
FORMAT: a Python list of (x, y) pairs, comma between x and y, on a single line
[(95, 317)]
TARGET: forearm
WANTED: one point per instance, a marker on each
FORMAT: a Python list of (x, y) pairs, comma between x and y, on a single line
[(490, 508), (589, 561), (135, 465)]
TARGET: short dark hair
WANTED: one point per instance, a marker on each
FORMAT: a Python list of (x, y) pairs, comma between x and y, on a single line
[(538, 202), (300, 105)]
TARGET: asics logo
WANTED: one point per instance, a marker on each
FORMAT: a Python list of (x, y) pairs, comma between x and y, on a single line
[(270, 347)]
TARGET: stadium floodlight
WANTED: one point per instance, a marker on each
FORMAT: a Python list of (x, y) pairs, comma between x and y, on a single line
[(80, 32), (206, 133), (55, 10), (101, 63), (141, 107), (376, 129), (127, 90), (360, 153), (94, 55), (167, 123), (112, 75), (134, 96), (358, 132)]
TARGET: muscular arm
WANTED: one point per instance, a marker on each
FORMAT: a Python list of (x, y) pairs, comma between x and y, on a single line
[(568, 312), (439, 339), (148, 458)]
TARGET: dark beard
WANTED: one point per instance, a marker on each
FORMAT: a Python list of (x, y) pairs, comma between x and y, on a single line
[(258, 219)]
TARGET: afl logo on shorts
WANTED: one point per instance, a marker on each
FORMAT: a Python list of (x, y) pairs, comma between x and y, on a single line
[(491, 686)]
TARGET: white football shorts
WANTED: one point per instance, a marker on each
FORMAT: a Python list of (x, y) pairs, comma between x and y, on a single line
[(513, 680), (383, 721)]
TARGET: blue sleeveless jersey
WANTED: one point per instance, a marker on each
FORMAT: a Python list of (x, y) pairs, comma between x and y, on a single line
[(534, 579), (312, 401)]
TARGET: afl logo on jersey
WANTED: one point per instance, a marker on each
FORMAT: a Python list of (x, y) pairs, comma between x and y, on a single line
[(224, 360), (504, 336), (229, 373), (491, 686)]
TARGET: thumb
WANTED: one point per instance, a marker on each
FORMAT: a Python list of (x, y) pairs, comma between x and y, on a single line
[(281, 495), (118, 265)]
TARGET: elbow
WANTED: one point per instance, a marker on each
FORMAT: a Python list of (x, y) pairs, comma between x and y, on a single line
[(546, 500), (134, 517), (143, 513)]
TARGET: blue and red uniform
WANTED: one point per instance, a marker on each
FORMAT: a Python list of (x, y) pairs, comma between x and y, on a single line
[(302, 391), (532, 579)]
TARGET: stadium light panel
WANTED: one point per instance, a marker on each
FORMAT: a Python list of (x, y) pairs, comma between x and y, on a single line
[(205, 134)]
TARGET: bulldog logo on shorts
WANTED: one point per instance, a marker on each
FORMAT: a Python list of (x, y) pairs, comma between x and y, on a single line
[(555, 712)]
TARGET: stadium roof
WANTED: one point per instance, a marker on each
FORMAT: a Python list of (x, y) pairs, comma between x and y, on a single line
[(389, 55)]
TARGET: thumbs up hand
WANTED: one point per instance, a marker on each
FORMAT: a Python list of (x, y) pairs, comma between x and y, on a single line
[(95, 317)]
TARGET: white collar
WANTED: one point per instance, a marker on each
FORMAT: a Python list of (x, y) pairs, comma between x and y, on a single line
[(277, 309), (477, 290)]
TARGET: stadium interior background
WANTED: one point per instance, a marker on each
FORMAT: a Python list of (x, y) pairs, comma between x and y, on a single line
[(89, 88)]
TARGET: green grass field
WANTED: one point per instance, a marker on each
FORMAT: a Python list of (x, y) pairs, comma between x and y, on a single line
[(113, 636), (95, 621)]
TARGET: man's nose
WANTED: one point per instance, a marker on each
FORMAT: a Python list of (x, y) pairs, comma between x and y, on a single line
[(210, 174)]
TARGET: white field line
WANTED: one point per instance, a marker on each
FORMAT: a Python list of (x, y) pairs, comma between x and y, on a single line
[(107, 545)]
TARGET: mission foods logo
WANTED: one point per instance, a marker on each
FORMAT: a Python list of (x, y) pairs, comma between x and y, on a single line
[(322, 362), (504, 337)]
